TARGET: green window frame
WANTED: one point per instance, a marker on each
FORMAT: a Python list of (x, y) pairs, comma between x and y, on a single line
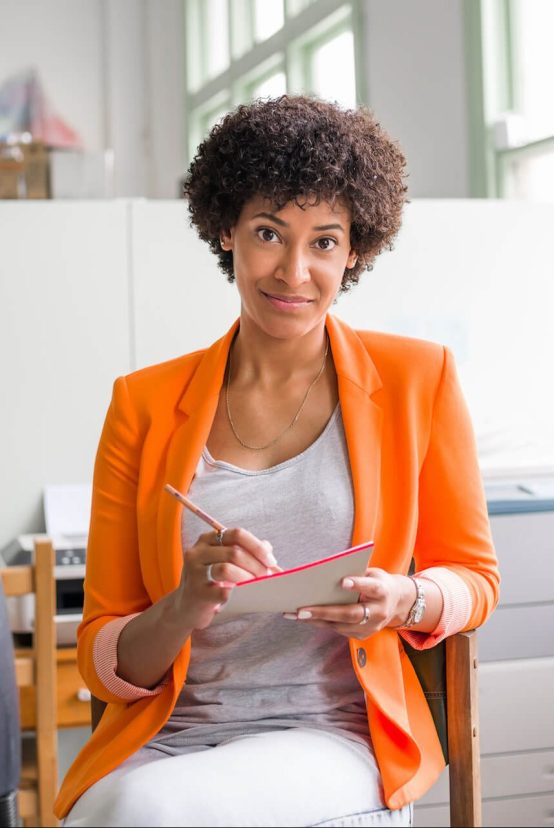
[(308, 24), (492, 41)]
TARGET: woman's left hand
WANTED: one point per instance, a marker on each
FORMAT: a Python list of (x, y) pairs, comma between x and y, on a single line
[(385, 601)]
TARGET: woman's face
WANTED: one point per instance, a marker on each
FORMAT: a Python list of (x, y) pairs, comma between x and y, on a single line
[(289, 263)]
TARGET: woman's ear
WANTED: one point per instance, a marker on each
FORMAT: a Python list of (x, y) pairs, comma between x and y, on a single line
[(226, 239), (352, 259)]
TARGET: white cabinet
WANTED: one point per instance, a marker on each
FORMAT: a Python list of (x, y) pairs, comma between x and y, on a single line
[(516, 684)]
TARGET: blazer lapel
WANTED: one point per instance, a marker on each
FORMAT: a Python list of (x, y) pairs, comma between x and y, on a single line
[(198, 405), (358, 380)]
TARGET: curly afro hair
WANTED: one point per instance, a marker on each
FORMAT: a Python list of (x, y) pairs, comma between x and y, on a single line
[(299, 148)]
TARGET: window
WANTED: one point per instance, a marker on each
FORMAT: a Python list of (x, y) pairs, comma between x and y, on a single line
[(238, 50), (332, 73), (518, 106), (270, 87), (268, 18), (511, 65), (207, 45)]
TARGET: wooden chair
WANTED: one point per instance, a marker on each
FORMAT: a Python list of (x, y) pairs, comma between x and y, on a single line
[(463, 729), (36, 669), (462, 705)]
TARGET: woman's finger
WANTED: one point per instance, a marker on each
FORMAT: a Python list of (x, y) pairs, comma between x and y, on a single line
[(259, 549), (367, 586), (248, 565), (351, 614), (233, 573)]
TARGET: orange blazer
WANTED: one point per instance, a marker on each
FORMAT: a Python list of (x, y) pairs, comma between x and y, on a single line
[(417, 491)]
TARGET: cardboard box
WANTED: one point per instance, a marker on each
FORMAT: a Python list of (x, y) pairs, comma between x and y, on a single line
[(24, 170), (12, 178), (37, 170)]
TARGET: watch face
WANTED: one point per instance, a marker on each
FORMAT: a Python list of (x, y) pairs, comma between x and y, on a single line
[(420, 609)]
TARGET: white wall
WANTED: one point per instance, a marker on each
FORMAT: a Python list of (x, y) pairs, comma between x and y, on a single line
[(416, 85), (64, 336), (64, 41), (115, 70)]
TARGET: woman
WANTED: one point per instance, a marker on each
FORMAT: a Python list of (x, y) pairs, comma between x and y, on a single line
[(307, 437)]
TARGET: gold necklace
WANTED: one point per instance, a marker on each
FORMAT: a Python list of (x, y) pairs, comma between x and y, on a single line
[(294, 419)]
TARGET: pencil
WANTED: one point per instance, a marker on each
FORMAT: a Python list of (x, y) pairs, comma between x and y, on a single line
[(215, 524)]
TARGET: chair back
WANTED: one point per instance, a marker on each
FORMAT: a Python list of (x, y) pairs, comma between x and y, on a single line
[(35, 672), (464, 766)]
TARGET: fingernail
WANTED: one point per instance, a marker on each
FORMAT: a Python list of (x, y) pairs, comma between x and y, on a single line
[(347, 583), (291, 616), (304, 614)]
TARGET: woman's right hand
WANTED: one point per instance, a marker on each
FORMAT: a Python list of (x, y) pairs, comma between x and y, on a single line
[(240, 557)]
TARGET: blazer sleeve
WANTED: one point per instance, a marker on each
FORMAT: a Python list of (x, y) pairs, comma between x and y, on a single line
[(453, 527), (113, 583)]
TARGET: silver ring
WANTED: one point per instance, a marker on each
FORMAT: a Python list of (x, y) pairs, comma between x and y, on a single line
[(219, 536), (209, 577), (365, 619)]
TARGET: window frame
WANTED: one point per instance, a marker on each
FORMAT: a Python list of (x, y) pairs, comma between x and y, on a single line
[(288, 50), (491, 58), (274, 64)]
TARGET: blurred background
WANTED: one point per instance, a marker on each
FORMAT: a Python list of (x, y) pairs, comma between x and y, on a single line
[(464, 85), (102, 106)]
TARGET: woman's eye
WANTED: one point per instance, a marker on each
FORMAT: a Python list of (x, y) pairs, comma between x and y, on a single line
[(266, 234), (326, 243)]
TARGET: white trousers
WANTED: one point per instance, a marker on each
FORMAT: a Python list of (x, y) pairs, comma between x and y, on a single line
[(295, 777)]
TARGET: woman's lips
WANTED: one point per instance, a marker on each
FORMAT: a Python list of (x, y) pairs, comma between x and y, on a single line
[(287, 303)]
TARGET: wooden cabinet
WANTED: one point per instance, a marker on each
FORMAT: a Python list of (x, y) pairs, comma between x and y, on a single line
[(73, 696)]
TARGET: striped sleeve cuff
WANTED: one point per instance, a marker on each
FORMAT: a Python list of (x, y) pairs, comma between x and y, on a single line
[(456, 608), (105, 662)]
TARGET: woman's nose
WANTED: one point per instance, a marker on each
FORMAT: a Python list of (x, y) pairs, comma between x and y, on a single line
[(294, 268)]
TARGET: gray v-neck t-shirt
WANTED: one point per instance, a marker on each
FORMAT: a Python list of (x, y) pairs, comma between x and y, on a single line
[(262, 672)]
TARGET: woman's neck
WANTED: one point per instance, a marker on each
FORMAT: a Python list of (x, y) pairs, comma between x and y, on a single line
[(271, 361)]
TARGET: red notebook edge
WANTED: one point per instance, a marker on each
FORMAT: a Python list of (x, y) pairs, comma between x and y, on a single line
[(351, 551)]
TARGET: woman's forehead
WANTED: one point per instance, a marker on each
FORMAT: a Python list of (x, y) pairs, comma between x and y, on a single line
[(298, 208)]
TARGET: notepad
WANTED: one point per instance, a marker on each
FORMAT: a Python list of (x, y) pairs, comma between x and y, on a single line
[(312, 584)]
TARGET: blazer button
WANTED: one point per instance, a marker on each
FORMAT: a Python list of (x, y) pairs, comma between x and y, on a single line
[(361, 657)]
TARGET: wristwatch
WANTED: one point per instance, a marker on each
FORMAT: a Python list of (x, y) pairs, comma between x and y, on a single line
[(418, 607)]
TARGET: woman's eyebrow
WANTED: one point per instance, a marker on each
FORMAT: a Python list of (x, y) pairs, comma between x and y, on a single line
[(274, 218), (329, 227)]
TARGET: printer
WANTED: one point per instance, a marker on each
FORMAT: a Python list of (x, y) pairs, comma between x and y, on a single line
[(69, 572), (67, 516)]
